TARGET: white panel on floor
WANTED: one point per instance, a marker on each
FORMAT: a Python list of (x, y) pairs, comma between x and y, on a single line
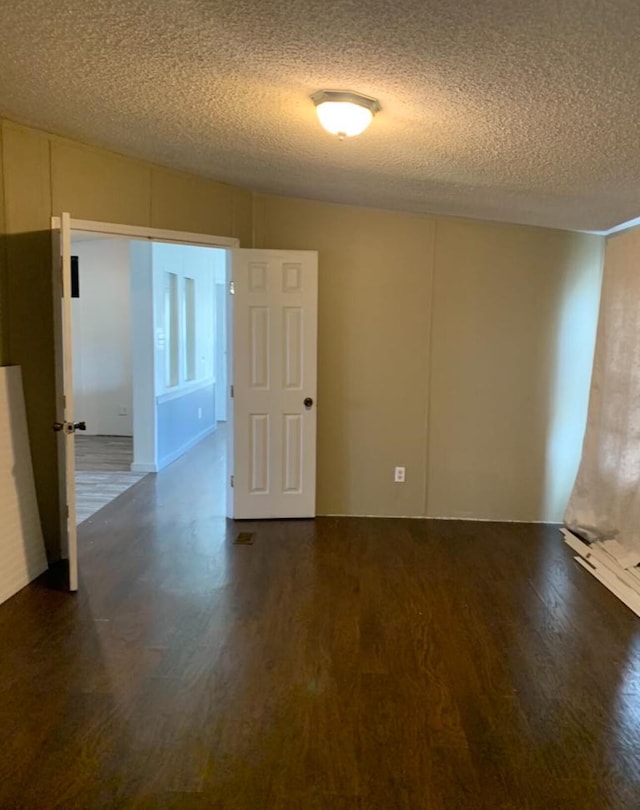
[(22, 554), (598, 561)]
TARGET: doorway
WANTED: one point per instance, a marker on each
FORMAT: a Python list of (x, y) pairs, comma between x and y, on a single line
[(271, 307), (149, 355)]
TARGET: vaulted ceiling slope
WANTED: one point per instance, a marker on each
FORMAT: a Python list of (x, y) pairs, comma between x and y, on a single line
[(499, 109)]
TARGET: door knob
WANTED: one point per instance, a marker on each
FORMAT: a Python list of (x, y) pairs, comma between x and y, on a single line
[(308, 402), (69, 427)]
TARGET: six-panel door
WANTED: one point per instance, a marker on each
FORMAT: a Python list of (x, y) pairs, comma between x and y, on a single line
[(274, 379)]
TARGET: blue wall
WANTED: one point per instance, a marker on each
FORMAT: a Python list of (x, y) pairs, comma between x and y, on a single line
[(178, 425)]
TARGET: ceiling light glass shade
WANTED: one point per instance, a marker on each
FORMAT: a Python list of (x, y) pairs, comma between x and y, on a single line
[(344, 114), (344, 118)]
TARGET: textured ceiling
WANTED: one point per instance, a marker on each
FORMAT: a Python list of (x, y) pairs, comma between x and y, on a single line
[(500, 109)]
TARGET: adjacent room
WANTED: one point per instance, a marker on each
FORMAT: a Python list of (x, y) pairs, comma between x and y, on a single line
[(149, 360), (319, 466)]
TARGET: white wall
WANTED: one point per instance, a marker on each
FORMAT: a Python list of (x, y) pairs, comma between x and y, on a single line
[(170, 418), (120, 346), (102, 337), (185, 261), (143, 343)]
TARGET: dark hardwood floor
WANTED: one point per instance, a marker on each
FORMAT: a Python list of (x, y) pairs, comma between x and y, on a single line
[(337, 663)]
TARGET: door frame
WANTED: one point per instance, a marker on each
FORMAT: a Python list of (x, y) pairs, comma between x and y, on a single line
[(151, 234), (139, 232)]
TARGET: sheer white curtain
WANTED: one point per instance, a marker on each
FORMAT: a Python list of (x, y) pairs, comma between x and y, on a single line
[(605, 502)]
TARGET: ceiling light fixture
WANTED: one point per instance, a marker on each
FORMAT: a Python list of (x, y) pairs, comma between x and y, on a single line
[(344, 114)]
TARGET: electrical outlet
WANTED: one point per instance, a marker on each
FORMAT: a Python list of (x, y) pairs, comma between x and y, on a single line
[(398, 475), (199, 413)]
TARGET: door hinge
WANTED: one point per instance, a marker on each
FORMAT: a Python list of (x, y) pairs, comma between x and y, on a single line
[(232, 481), (66, 509), (231, 391), (232, 288)]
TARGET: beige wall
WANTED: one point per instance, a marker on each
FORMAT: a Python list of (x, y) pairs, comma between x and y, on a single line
[(28, 311), (373, 347), (444, 348), (42, 175), (515, 312), (443, 343)]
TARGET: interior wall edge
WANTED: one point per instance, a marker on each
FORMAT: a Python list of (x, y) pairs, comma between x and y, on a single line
[(4, 309), (427, 438)]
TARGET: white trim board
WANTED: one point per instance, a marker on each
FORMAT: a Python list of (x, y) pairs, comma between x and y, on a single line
[(176, 454), (432, 517), (622, 226), (623, 583), (148, 467), (150, 234), (145, 467)]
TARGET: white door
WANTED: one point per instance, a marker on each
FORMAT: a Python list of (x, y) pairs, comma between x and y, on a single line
[(65, 425), (272, 430)]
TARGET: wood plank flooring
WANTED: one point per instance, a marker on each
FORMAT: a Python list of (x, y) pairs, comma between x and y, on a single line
[(103, 453), (335, 664), (94, 490), (103, 471)]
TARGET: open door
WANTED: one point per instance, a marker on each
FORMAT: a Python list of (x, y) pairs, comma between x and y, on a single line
[(273, 329), (65, 426)]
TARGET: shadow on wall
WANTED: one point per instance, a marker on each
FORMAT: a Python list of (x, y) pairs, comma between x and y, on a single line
[(507, 403), (571, 350), (27, 331), (559, 374)]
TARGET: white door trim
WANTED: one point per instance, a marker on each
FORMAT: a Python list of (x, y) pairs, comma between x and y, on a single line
[(63, 354), (65, 416), (153, 234)]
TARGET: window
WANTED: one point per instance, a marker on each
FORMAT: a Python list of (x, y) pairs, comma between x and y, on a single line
[(172, 345), (189, 321)]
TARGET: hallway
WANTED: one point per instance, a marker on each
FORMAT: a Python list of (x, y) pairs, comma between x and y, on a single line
[(335, 664)]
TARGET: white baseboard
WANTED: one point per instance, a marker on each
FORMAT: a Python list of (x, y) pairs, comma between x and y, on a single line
[(431, 517), (143, 468), (164, 462)]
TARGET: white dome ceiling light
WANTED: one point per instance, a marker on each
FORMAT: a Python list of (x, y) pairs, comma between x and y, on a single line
[(344, 114)]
